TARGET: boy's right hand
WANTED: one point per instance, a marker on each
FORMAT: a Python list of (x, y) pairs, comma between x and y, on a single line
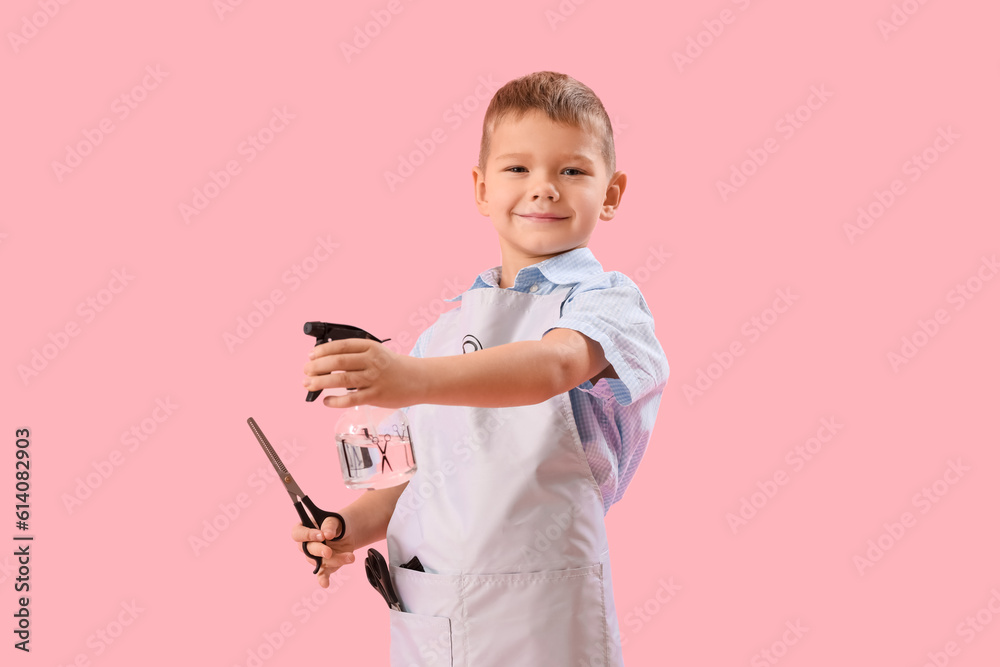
[(334, 554)]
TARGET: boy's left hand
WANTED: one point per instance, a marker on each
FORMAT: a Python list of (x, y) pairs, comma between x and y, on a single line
[(382, 377)]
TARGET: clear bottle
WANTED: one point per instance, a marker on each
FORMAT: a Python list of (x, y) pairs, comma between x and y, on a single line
[(374, 447)]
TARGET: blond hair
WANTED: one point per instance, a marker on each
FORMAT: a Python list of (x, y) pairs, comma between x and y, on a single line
[(562, 98)]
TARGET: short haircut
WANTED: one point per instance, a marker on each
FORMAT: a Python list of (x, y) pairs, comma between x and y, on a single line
[(562, 98)]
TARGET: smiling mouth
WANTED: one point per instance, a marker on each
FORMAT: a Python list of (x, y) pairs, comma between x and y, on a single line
[(539, 218)]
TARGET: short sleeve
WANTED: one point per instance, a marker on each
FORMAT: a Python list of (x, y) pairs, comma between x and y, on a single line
[(421, 344), (613, 313)]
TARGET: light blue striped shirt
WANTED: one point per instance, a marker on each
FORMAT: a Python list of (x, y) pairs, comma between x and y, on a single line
[(614, 418)]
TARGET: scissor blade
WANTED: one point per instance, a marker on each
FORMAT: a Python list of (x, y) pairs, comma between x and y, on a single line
[(286, 477)]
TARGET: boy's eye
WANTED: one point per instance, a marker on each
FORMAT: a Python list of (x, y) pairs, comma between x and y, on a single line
[(578, 171)]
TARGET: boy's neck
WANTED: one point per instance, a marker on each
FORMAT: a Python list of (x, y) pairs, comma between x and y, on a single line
[(509, 269)]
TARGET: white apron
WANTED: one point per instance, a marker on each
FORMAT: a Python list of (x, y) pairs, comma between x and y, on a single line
[(505, 516)]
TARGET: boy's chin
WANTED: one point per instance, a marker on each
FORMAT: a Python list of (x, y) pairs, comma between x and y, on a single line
[(535, 252), (538, 247)]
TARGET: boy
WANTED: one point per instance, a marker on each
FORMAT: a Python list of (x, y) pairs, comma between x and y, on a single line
[(531, 406)]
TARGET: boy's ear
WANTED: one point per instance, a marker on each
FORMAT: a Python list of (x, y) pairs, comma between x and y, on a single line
[(479, 187), (613, 196)]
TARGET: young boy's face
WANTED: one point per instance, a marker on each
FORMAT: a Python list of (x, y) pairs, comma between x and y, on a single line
[(545, 187)]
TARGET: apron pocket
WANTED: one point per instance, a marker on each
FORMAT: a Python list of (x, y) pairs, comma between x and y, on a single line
[(554, 617), (418, 640)]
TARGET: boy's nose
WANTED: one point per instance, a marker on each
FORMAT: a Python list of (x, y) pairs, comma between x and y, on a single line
[(545, 189)]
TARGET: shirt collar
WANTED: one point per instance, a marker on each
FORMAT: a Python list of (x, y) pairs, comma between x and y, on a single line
[(563, 269)]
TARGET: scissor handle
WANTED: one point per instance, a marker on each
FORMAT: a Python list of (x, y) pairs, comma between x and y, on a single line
[(373, 577), (378, 576), (316, 521)]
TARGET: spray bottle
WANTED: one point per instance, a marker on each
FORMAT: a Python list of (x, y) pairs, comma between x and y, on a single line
[(373, 443)]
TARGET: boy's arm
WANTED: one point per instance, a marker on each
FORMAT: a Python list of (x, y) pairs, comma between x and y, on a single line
[(521, 373), (368, 516)]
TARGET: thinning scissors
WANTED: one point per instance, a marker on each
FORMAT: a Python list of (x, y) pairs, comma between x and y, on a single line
[(318, 515)]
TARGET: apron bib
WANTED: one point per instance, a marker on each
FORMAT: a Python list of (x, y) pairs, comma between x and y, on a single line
[(504, 515)]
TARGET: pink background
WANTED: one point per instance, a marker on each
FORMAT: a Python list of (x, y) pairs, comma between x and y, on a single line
[(680, 130)]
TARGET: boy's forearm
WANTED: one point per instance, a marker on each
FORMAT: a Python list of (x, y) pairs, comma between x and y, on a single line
[(521, 373), (368, 516)]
